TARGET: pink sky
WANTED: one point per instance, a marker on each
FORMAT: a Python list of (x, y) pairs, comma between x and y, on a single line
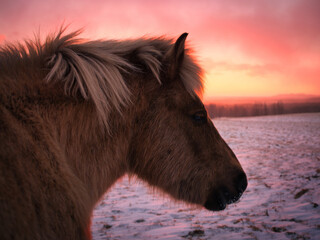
[(247, 48)]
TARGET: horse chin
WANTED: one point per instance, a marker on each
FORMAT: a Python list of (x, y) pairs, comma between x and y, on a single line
[(215, 204), (219, 197), (218, 200)]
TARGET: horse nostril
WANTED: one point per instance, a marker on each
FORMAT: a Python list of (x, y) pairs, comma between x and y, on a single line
[(241, 182)]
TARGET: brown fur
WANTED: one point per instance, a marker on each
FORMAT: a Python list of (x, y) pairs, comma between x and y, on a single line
[(77, 115)]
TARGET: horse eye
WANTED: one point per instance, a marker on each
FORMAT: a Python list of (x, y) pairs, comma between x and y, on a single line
[(200, 117)]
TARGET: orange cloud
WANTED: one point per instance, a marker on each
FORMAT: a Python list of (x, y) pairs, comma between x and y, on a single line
[(271, 46), (2, 38)]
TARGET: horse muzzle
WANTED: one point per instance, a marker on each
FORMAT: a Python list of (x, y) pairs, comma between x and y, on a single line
[(218, 198)]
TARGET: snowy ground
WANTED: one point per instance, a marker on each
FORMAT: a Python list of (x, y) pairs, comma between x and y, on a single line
[(281, 156)]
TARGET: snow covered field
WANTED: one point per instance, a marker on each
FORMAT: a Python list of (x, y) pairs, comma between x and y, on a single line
[(281, 156)]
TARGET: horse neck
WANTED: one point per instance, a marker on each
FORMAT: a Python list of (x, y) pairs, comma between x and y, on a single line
[(96, 156)]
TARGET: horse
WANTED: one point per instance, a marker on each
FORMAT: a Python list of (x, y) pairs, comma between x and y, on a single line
[(76, 115)]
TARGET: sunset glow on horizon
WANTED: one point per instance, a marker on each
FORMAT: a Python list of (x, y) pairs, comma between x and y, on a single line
[(247, 48)]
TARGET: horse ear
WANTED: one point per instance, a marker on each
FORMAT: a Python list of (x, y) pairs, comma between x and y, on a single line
[(175, 56)]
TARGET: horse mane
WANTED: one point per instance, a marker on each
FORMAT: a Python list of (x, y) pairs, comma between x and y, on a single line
[(96, 69)]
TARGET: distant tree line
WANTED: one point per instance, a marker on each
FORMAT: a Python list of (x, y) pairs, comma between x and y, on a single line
[(260, 109)]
